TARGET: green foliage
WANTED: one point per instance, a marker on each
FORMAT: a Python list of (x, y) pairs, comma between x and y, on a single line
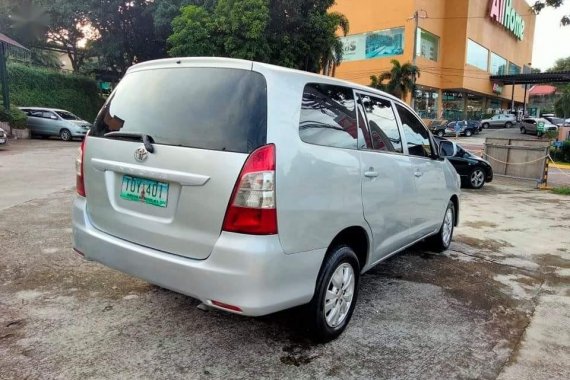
[(45, 88), (401, 79), (539, 5), (561, 64), (564, 190), (562, 105), (294, 33), (561, 154), (16, 118)]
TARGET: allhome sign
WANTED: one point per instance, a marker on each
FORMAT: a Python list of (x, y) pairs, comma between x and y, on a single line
[(503, 12)]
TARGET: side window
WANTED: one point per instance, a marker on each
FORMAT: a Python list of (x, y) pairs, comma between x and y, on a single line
[(328, 116), (416, 134), (384, 133), (48, 115)]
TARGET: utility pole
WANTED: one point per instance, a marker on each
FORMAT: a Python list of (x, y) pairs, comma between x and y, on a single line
[(4, 77), (416, 17)]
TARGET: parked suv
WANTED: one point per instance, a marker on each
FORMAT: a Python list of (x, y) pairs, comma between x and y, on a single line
[(537, 126), (46, 122), (503, 120), (256, 188)]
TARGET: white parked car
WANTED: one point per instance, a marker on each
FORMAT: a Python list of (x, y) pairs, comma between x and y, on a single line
[(256, 188), (502, 120)]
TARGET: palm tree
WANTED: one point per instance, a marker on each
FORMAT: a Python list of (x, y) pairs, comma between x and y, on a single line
[(331, 56), (401, 79)]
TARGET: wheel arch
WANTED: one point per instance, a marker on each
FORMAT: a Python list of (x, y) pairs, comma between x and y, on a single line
[(357, 238), (455, 200)]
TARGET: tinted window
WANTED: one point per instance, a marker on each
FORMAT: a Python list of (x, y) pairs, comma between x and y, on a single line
[(384, 133), (416, 134), (67, 115), (328, 116), (207, 108)]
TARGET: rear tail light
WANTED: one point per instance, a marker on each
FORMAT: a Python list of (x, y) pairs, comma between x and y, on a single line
[(79, 180), (252, 205), (226, 306)]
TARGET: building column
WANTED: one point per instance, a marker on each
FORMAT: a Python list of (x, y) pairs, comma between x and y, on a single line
[(464, 105), (439, 104)]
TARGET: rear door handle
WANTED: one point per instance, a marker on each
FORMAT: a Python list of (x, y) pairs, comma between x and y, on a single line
[(370, 173), (418, 173)]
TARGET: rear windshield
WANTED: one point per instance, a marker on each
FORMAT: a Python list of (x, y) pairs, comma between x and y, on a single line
[(207, 108)]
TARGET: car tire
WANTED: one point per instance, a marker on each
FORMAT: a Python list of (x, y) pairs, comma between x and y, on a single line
[(440, 133), (442, 240), (65, 135), (508, 124), (523, 130), (476, 178), (339, 295), (485, 125), (468, 133)]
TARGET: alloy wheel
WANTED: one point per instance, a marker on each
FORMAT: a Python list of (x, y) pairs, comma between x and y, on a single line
[(338, 297), (477, 178), (447, 227)]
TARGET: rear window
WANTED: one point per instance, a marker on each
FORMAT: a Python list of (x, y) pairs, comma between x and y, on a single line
[(206, 108)]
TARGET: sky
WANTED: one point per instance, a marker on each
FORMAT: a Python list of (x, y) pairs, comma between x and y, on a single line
[(551, 40)]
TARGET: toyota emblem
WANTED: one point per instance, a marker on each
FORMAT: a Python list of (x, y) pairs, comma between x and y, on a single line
[(141, 154)]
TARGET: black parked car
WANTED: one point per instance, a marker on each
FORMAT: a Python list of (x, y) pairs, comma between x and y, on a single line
[(474, 170), (447, 127)]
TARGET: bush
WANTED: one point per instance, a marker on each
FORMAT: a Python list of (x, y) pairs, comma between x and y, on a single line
[(16, 118), (561, 154), (38, 87)]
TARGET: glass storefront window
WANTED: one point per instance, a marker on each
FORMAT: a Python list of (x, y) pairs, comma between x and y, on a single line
[(514, 69), (498, 65), (475, 104), (477, 55), (452, 105), (428, 45), (426, 103), (377, 44)]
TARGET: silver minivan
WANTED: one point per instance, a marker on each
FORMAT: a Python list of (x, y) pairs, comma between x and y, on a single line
[(256, 188), (46, 122)]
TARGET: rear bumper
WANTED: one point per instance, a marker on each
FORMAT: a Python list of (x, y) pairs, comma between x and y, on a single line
[(250, 272)]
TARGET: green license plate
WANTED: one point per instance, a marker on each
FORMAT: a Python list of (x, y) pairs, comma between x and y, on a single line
[(144, 190)]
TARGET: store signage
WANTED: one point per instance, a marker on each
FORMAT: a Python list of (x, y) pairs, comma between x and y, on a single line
[(497, 88), (377, 44), (502, 11)]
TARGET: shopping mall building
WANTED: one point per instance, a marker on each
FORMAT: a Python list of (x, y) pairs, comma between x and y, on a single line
[(460, 44)]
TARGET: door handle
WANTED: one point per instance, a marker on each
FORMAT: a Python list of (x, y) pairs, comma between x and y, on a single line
[(371, 173), (418, 173)]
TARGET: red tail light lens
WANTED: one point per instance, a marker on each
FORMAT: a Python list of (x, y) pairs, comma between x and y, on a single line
[(79, 181), (252, 205)]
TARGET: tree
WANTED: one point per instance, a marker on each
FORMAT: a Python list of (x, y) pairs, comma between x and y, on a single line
[(401, 79), (292, 33), (539, 5), (561, 64), (562, 105)]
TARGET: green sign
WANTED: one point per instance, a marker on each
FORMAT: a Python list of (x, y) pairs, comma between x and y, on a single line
[(502, 11)]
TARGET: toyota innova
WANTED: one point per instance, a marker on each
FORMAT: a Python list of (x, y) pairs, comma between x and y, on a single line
[(256, 188)]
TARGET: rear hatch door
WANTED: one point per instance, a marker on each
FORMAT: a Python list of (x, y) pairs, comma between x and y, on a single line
[(166, 150)]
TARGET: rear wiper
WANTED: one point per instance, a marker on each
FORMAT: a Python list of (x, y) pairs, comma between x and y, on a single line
[(146, 139)]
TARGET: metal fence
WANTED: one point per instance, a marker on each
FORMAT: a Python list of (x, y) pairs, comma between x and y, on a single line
[(518, 158)]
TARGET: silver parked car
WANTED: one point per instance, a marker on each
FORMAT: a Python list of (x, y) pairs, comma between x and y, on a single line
[(256, 188), (46, 122), (502, 120), (537, 126)]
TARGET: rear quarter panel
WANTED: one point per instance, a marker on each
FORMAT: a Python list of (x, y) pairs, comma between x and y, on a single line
[(318, 188)]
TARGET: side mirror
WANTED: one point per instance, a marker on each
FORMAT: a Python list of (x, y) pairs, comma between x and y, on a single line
[(446, 149), (53, 117)]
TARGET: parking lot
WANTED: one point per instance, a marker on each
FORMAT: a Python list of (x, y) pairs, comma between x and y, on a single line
[(497, 305)]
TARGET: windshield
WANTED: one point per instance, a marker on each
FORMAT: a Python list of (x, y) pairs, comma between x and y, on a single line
[(67, 115), (207, 108)]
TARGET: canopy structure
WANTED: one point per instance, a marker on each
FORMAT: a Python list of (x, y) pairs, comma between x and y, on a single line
[(532, 78)]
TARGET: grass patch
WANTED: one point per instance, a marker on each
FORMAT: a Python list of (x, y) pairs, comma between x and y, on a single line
[(564, 190)]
